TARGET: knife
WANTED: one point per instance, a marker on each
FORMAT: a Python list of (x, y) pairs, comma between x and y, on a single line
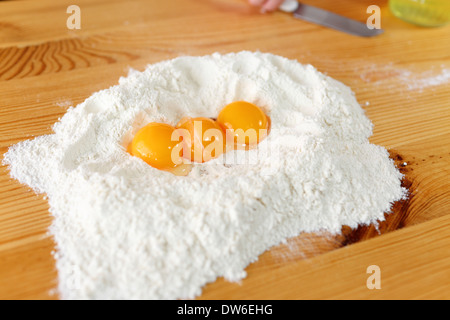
[(328, 19)]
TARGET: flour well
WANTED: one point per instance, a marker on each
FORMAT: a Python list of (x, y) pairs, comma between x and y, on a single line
[(126, 230)]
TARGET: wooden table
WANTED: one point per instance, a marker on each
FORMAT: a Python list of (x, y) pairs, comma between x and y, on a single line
[(400, 78)]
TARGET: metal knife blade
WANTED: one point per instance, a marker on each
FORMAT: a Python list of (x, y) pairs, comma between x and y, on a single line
[(328, 19)]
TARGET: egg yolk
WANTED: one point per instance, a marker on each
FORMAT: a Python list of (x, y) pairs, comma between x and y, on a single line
[(246, 123), (156, 145), (205, 138)]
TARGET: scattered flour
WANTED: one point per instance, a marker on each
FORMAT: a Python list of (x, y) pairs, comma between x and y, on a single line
[(126, 230), (425, 79), (64, 103), (404, 79)]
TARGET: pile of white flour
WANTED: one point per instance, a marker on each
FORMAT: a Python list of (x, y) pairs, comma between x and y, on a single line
[(126, 230)]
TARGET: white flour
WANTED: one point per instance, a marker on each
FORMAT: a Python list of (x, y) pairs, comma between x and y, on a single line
[(126, 230)]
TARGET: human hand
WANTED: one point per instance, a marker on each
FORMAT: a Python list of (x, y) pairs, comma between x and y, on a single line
[(266, 5)]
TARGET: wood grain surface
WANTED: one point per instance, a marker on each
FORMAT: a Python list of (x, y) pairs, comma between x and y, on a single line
[(401, 79)]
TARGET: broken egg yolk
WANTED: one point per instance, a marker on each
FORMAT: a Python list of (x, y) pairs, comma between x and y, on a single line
[(157, 145), (246, 123), (204, 137)]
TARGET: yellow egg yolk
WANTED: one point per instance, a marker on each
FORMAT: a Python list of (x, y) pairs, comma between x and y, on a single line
[(157, 145), (204, 137), (246, 123)]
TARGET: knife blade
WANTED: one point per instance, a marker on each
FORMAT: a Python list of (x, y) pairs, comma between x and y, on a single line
[(328, 19)]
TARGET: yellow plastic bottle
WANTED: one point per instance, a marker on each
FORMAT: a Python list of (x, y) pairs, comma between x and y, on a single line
[(427, 13)]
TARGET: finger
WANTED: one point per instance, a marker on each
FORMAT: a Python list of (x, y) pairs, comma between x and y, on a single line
[(257, 3), (272, 5)]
